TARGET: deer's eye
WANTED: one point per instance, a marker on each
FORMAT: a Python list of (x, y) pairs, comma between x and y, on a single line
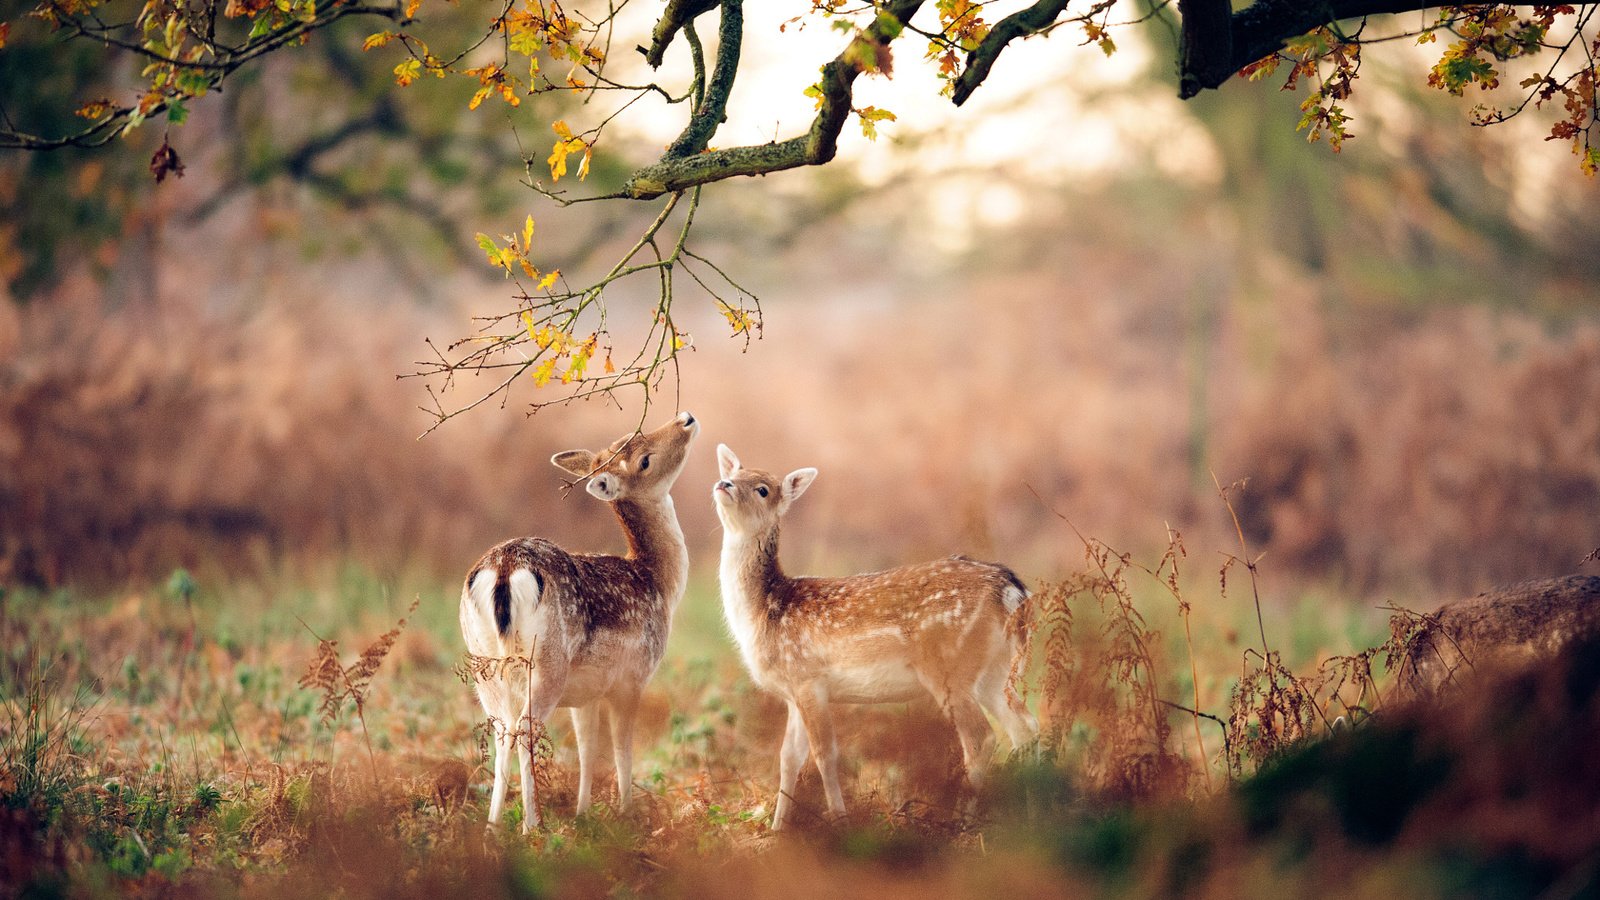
[(761, 489), (644, 463)]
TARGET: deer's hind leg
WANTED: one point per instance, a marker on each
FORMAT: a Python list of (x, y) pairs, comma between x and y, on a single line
[(543, 694), (999, 700), (586, 728), (817, 721), (624, 705), (972, 727), (502, 755)]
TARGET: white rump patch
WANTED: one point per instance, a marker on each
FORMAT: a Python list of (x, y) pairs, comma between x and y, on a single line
[(1011, 598), (524, 587)]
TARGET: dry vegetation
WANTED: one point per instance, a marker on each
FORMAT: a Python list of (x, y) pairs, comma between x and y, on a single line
[(160, 737), (159, 741), (1434, 457)]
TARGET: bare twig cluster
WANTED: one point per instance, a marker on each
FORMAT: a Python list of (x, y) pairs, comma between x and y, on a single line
[(559, 333)]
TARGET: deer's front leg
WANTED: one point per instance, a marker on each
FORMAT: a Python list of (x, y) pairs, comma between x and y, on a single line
[(791, 757), (812, 700)]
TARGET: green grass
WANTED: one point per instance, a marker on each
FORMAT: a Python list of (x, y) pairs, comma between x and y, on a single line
[(158, 736)]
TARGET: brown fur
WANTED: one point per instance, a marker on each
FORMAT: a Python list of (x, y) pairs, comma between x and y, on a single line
[(590, 630), (948, 628), (922, 603), (1503, 628), (595, 592)]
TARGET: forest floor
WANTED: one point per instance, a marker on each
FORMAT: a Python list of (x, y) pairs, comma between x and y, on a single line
[(161, 741)]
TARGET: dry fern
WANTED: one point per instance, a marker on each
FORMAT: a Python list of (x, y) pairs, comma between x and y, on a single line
[(339, 683)]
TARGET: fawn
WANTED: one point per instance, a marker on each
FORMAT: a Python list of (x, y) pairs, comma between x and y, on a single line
[(588, 629), (950, 628)]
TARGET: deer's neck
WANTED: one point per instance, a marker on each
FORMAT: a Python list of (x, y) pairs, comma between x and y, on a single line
[(751, 575), (655, 543)]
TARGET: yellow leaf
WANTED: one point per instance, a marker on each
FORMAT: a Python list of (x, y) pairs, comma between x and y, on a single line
[(94, 109), (561, 129), (407, 72), (411, 8), (527, 234), (738, 317), (477, 98), (377, 40), (870, 117), (542, 372), (527, 323), (549, 279)]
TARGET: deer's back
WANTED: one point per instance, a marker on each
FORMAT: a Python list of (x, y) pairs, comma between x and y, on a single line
[(599, 603), (1507, 626), (871, 633), (915, 596)]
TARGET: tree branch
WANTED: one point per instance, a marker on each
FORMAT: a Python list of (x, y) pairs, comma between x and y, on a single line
[(120, 119), (1205, 53), (1260, 30), (1022, 23), (677, 14), (816, 147), (713, 108)]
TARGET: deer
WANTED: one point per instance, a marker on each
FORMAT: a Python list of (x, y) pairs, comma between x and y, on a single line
[(952, 629), (1505, 628), (546, 628)]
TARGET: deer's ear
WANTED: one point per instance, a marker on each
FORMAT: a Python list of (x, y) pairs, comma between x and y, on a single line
[(727, 463), (795, 484), (575, 462)]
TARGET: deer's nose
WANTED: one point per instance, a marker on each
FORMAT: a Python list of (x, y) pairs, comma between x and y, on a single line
[(724, 486), (686, 419)]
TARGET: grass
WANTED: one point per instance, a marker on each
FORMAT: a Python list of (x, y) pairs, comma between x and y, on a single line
[(160, 738)]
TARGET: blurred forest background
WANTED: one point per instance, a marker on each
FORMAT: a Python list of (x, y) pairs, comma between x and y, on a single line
[(1096, 294)]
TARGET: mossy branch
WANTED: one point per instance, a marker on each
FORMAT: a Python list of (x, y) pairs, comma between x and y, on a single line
[(712, 109), (816, 147)]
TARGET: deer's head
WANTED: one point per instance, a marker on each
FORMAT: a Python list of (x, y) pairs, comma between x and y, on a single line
[(636, 466), (750, 501)]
